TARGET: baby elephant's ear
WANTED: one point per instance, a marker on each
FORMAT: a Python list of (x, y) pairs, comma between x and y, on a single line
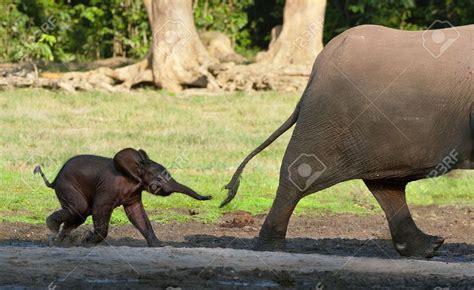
[(130, 162), (143, 154)]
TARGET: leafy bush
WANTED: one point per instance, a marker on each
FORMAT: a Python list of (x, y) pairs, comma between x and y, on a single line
[(229, 17), (402, 14), (72, 30), (81, 30), (18, 40)]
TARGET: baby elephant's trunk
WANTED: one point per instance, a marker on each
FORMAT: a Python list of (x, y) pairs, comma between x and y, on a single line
[(181, 188), (46, 181)]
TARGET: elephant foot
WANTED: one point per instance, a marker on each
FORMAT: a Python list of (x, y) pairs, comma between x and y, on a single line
[(87, 236), (155, 244), (270, 245), (422, 245), (58, 241), (90, 238), (53, 225), (52, 241)]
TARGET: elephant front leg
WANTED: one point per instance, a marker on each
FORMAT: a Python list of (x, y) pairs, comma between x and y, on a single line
[(138, 217), (101, 218), (407, 238), (273, 232)]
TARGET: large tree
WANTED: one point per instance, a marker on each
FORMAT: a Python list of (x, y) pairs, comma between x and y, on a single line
[(294, 47), (300, 39), (177, 56)]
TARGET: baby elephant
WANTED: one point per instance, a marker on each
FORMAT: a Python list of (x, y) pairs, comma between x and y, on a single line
[(96, 185)]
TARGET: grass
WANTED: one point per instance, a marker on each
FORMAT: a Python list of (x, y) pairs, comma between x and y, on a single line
[(201, 139)]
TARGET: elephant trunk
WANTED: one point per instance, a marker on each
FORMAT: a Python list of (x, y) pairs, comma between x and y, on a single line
[(181, 188)]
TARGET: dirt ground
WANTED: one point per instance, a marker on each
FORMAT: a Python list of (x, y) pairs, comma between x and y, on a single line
[(338, 251)]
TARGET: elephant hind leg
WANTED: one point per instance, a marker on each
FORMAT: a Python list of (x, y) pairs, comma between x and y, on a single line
[(301, 174), (74, 208), (406, 237), (70, 225), (273, 232), (55, 220)]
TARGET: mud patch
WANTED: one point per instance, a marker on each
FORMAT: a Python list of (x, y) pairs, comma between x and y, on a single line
[(238, 219), (124, 267), (338, 238)]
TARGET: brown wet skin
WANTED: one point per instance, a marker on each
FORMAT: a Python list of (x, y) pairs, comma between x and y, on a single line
[(93, 185)]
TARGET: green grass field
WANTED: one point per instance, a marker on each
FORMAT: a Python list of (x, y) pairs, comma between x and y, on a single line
[(200, 139)]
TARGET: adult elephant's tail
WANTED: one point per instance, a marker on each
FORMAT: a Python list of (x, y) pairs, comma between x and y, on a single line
[(233, 185)]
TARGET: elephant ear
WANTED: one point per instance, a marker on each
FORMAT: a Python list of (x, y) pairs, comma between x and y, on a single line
[(143, 154), (130, 162)]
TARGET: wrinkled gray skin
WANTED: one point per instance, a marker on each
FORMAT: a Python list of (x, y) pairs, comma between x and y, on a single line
[(378, 107), (93, 185)]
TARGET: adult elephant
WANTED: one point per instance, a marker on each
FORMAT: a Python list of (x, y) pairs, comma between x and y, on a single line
[(382, 105)]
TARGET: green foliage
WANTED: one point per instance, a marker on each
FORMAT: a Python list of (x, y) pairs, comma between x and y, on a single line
[(229, 17), (40, 49), (401, 14), (263, 16), (65, 30), (109, 28), (72, 30)]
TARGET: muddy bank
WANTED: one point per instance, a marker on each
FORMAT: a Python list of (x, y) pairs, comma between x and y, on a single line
[(343, 234), (455, 224), (122, 267), (339, 251)]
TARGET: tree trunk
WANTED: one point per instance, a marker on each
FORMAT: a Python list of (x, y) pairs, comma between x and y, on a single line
[(286, 65), (140, 71), (178, 56), (301, 37)]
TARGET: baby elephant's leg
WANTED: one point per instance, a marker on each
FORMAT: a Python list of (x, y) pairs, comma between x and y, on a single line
[(74, 207), (137, 215), (101, 218), (70, 225), (55, 220)]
